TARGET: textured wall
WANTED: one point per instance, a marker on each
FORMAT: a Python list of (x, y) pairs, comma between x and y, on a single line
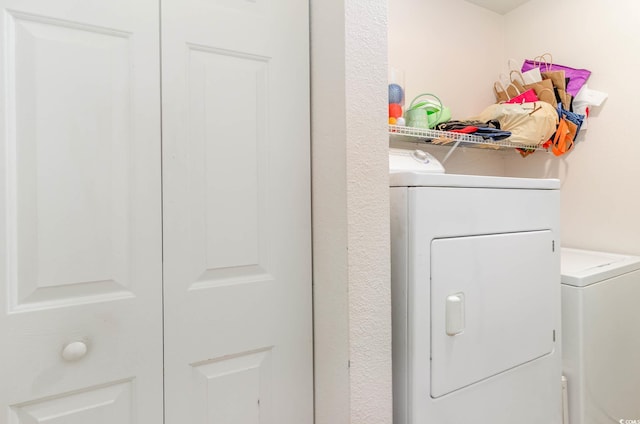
[(351, 212), (368, 211)]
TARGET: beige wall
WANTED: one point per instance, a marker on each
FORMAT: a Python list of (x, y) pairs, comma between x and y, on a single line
[(452, 49), (600, 178), (457, 49)]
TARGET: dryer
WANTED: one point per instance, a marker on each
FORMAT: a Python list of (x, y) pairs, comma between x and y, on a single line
[(475, 265)]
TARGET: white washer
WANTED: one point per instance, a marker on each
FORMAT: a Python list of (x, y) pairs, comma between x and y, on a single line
[(601, 336), (476, 296)]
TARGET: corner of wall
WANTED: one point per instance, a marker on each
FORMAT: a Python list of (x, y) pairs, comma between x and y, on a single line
[(351, 212)]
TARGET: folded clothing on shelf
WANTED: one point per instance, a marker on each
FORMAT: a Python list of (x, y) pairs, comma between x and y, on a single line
[(489, 130)]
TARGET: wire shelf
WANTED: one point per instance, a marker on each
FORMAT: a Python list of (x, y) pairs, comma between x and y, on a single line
[(447, 138)]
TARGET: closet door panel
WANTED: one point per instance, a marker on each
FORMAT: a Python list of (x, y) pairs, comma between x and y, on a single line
[(80, 239), (237, 212)]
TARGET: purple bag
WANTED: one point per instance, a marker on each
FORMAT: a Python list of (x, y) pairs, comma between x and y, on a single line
[(577, 77)]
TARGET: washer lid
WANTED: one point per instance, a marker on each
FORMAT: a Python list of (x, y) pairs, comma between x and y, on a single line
[(581, 268)]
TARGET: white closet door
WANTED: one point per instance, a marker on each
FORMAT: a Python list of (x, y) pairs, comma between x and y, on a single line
[(238, 341), (80, 221)]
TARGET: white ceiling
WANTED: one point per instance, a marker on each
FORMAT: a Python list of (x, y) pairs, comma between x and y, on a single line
[(499, 6)]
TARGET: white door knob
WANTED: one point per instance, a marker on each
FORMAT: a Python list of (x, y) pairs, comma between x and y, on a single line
[(74, 351)]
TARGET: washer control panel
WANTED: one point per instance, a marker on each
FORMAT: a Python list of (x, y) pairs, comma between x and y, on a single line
[(417, 161)]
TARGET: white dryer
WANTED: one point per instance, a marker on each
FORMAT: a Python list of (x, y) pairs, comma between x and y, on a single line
[(475, 264)]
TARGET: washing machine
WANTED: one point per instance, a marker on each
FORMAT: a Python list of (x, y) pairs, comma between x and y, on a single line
[(601, 342), (475, 266)]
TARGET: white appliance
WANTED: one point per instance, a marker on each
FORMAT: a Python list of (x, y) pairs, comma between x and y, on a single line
[(476, 296), (601, 336)]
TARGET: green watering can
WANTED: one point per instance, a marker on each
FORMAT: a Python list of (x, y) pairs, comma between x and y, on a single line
[(426, 113)]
